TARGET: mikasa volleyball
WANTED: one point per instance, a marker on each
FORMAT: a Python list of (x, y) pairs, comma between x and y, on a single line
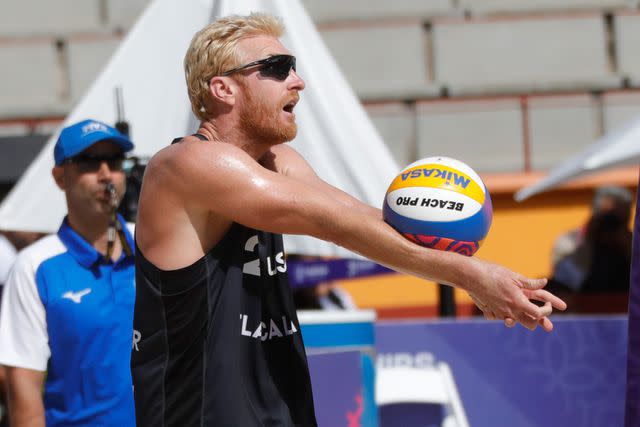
[(440, 203)]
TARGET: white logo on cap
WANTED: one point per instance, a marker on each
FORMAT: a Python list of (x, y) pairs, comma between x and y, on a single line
[(93, 127)]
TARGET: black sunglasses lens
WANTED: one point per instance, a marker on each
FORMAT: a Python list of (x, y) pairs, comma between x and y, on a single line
[(115, 164), (93, 163), (279, 67)]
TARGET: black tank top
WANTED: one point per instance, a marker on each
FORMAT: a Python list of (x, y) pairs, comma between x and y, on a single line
[(218, 343)]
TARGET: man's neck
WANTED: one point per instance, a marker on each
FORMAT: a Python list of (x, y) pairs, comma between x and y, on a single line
[(209, 130), (213, 131), (95, 232)]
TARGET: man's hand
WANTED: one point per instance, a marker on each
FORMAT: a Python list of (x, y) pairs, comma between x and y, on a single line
[(503, 294)]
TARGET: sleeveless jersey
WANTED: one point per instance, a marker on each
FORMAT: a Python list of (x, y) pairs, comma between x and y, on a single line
[(218, 343)]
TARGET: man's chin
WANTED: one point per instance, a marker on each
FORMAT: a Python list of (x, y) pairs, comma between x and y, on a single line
[(104, 208), (290, 133), (283, 136)]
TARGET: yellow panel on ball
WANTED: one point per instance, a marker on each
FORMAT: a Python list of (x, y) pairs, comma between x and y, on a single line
[(441, 203)]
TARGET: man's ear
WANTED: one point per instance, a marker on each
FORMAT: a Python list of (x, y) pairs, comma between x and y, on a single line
[(58, 176), (223, 89)]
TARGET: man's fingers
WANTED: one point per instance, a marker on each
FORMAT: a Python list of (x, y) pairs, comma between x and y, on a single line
[(533, 284), (546, 324), (486, 312), (509, 322), (489, 315), (528, 322), (536, 312), (546, 296)]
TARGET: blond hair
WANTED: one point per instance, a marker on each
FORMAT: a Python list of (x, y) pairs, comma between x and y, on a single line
[(213, 50)]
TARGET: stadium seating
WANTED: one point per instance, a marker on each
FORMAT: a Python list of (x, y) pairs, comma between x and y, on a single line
[(392, 72), (519, 6), (627, 34), (86, 59), (122, 14), (396, 124), (620, 108), (29, 17), (451, 128), (360, 10), (31, 79), (560, 126), (522, 55), (524, 75)]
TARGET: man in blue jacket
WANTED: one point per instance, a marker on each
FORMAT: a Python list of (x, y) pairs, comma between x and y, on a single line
[(67, 310)]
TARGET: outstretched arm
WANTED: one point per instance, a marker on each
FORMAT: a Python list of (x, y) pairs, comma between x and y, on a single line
[(294, 165), (226, 181), (289, 162)]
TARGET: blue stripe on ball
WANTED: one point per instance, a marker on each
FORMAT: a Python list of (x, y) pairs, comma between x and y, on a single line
[(470, 229)]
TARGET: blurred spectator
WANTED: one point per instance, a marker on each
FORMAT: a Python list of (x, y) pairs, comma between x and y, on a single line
[(324, 294), (597, 257), (22, 239), (10, 243), (7, 256), (68, 301), (129, 205)]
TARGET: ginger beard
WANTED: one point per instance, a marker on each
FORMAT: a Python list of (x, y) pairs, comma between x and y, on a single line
[(261, 118)]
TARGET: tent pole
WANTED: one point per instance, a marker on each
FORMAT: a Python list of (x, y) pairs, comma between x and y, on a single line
[(446, 301)]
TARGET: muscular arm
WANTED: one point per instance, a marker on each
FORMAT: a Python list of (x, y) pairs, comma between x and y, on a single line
[(224, 180), (290, 163), (24, 397)]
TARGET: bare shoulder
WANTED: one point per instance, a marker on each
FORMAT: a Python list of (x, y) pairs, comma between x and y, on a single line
[(177, 163), (284, 152), (182, 200), (287, 161)]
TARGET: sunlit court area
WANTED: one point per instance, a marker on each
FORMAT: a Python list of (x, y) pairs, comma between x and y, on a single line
[(503, 131)]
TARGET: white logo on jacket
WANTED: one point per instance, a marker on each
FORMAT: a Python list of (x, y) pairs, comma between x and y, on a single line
[(76, 296)]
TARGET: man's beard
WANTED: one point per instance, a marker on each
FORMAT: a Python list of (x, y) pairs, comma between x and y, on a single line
[(261, 121)]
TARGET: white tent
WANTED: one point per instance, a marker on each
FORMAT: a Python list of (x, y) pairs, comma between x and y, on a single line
[(618, 148), (335, 134)]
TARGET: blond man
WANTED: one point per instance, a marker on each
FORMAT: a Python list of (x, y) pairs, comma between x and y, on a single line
[(218, 337)]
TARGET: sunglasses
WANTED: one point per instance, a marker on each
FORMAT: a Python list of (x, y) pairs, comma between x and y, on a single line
[(276, 67), (92, 162)]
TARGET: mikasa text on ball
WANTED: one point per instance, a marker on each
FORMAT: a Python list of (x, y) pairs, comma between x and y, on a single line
[(440, 203)]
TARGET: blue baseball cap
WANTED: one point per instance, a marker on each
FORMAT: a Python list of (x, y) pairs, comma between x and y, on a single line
[(78, 137)]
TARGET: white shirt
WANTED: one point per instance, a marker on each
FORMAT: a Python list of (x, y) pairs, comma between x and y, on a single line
[(7, 257)]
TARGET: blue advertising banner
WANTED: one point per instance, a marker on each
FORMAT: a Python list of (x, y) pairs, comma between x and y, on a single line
[(514, 377), (303, 273), (340, 349), (336, 379), (632, 407)]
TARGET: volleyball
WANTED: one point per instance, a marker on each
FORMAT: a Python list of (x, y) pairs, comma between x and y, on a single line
[(440, 203)]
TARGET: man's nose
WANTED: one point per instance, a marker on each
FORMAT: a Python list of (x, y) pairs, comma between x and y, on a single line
[(104, 171), (296, 81)]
